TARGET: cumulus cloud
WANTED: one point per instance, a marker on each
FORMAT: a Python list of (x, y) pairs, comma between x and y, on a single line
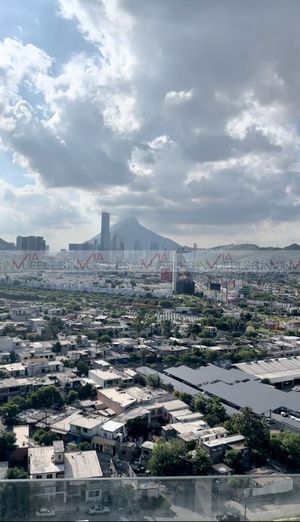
[(183, 113)]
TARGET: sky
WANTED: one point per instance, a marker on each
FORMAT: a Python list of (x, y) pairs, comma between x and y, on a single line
[(182, 113)]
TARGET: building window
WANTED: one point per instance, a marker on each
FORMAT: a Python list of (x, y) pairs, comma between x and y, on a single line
[(49, 476), (38, 476), (95, 493), (85, 430)]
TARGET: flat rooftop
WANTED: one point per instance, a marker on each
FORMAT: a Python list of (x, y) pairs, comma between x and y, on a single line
[(83, 464), (105, 375), (112, 426), (123, 398), (22, 436), (41, 461)]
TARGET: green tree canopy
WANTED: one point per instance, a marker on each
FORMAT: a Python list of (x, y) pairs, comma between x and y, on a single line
[(17, 473), (7, 443), (137, 428), (83, 368), (153, 380), (233, 459), (45, 437), (72, 396), (88, 391), (201, 461), (285, 447), (255, 430), (169, 459), (47, 397)]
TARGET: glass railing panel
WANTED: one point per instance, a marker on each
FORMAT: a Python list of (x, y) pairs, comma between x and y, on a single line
[(253, 497)]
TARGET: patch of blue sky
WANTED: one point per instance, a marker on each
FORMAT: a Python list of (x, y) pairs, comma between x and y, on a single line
[(11, 172), (37, 22), (35, 99)]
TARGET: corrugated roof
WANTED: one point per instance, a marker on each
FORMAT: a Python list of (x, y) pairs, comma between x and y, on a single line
[(207, 374)]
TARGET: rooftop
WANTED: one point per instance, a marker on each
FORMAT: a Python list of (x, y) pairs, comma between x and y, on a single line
[(41, 461), (112, 426), (84, 464), (22, 436), (277, 370)]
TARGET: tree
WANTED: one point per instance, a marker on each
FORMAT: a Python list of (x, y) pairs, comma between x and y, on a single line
[(200, 403), (55, 326), (216, 413), (166, 327), (13, 357), (7, 443), (194, 329), (45, 437), (285, 447), (232, 459), (168, 387), (201, 461), (72, 397), (104, 339), (137, 428), (17, 473), (183, 396), (3, 374), (255, 430), (153, 380), (83, 368), (84, 446), (47, 397), (56, 348), (169, 459), (88, 391), (9, 411)]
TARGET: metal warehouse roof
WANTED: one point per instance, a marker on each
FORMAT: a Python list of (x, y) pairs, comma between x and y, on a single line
[(208, 374), (259, 397), (178, 386), (277, 370)]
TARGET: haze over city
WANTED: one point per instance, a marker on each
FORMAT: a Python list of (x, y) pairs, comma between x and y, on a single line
[(182, 113)]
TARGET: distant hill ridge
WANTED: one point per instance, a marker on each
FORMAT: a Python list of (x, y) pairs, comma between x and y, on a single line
[(136, 237), (5, 245), (250, 246)]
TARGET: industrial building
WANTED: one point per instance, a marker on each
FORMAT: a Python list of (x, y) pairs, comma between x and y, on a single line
[(279, 371)]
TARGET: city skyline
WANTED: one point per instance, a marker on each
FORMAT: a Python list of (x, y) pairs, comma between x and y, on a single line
[(184, 115)]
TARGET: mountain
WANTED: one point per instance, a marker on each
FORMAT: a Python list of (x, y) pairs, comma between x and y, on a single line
[(135, 237), (5, 245), (250, 246), (293, 246)]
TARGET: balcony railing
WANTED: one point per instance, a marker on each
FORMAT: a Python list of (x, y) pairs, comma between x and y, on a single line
[(259, 497)]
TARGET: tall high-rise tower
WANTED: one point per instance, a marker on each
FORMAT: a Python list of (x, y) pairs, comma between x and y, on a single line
[(105, 233)]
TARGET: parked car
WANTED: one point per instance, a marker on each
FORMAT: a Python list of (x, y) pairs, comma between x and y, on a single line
[(45, 512), (98, 510), (228, 517)]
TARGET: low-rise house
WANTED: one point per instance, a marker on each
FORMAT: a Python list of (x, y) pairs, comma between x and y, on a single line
[(85, 428), (216, 447), (105, 378), (111, 435), (52, 462), (14, 369), (11, 344), (116, 399), (20, 453), (11, 387), (146, 451)]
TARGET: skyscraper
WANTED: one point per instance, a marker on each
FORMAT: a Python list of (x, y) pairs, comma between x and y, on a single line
[(105, 233)]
